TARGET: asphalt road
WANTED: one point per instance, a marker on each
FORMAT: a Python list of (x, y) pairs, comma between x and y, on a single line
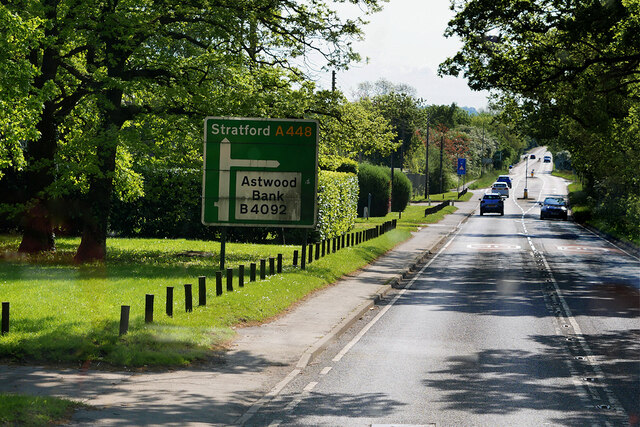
[(516, 321)]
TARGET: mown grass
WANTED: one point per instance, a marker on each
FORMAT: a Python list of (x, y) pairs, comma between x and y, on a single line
[(411, 219), (487, 179), (440, 197), (65, 313), (568, 175), (68, 314), (20, 410)]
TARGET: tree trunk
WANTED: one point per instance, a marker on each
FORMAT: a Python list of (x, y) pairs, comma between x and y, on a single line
[(95, 217), (37, 235), (40, 155)]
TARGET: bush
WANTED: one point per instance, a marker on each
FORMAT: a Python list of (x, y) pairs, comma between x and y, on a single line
[(337, 203), (171, 207), (402, 191), (374, 180), (338, 164)]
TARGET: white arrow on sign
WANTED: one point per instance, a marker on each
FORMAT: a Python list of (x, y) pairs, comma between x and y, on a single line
[(226, 163)]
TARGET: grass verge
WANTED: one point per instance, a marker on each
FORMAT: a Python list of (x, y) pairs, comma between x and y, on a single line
[(20, 410), (411, 219), (487, 179), (69, 314), (440, 197), (583, 211)]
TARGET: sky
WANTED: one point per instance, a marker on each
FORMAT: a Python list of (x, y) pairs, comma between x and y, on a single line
[(405, 44)]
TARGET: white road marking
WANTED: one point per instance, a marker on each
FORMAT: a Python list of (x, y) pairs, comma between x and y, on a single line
[(295, 402), (578, 335), (493, 246), (364, 330), (267, 397), (583, 249), (326, 370)]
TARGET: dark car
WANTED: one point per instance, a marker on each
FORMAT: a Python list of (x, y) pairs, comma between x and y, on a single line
[(533, 156), (504, 178), (547, 159), (553, 207), (492, 202)]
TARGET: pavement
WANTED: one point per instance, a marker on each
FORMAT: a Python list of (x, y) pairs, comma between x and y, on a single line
[(261, 361)]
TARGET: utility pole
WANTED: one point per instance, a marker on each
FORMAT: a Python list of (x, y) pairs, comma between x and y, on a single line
[(482, 155), (391, 197), (426, 169), (526, 175), (441, 152), (333, 81)]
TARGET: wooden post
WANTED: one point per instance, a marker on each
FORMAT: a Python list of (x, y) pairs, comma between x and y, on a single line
[(169, 304), (241, 276), (263, 269), (202, 290), (5, 317), (272, 266), (252, 272), (303, 257), (188, 298), (229, 279), (148, 308), (218, 283), (279, 264), (124, 319)]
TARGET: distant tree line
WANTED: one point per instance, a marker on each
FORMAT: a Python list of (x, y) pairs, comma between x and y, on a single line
[(568, 75)]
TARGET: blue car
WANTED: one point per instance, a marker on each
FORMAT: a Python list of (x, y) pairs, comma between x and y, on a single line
[(553, 207), (504, 178), (492, 202)]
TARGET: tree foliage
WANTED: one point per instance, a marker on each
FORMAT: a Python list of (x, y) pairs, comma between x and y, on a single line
[(564, 71), (89, 83)]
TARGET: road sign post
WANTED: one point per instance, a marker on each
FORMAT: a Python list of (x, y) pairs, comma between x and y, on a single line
[(260, 172), (462, 170)]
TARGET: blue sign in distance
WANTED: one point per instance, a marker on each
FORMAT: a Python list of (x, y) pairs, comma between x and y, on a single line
[(462, 166)]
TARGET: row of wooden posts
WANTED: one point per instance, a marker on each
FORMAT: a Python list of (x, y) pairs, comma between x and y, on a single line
[(325, 247), (436, 208), (306, 256)]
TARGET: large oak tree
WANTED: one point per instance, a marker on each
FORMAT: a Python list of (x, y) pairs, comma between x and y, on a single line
[(103, 67)]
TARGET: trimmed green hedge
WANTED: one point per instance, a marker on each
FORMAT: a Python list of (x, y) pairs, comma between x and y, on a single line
[(402, 191), (171, 207), (338, 164), (337, 203), (374, 180)]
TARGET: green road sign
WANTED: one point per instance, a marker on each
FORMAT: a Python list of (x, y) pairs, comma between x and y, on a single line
[(260, 172)]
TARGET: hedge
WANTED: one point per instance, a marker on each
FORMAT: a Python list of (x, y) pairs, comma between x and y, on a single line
[(402, 191), (337, 203), (374, 180), (171, 207)]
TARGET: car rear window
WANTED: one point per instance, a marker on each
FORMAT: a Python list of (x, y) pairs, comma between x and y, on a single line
[(499, 184), (554, 201), (492, 197)]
